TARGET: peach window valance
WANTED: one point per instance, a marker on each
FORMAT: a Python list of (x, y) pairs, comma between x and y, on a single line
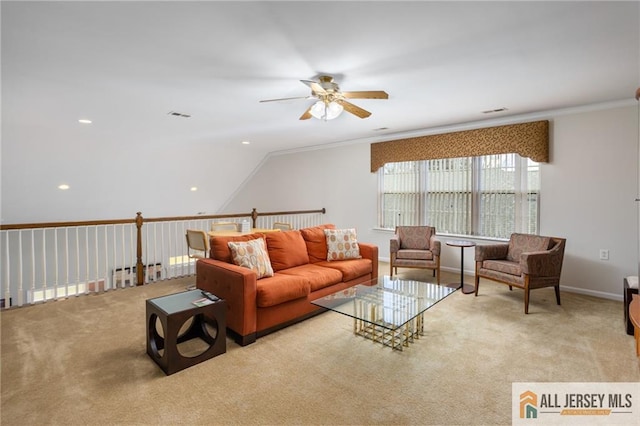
[(525, 139)]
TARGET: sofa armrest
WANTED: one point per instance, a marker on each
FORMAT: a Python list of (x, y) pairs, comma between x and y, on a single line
[(237, 286), (491, 251), (434, 246), (394, 244), (370, 251)]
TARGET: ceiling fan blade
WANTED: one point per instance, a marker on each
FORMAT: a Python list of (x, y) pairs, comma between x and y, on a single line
[(367, 94), (353, 109), (307, 114), (315, 87), (286, 99)]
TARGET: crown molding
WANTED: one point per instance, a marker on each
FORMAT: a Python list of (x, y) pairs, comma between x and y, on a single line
[(470, 125)]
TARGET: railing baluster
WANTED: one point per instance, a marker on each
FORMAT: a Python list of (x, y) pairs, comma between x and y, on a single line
[(44, 263), (7, 269), (97, 287), (77, 256), (123, 261), (162, 252), (146, 252), (105, 230), (106, 258), (33, 261), (133, 239), (66, 262), (20, 269), (86, 255), (112, 281), (55, 263)]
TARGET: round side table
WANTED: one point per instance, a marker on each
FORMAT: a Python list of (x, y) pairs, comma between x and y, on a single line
[(466, 289)]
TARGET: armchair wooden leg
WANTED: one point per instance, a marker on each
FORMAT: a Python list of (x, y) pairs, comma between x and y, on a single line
[(526, 300), (436, 272), (557, 287), (477, 283)]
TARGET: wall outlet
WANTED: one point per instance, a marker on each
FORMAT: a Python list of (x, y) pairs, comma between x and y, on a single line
[(604, 254)]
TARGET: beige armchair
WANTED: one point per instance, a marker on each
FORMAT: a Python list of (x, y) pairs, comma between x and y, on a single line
[(224, 226), (415, 247), (527, 262), (198, 241), (283, 226)]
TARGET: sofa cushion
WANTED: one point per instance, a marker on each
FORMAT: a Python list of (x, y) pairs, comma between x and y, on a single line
[(508, 267), (350, 269), (317, 276), (342, 244), (220, 245), (524, 243), (316, 242), (286, 249), (253, 255), (279, 289), (414, 254)]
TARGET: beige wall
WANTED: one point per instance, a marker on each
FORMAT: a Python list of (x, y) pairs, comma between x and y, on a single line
[(588, 192)]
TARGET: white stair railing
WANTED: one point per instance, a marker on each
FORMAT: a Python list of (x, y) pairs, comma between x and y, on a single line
[(42, 262)]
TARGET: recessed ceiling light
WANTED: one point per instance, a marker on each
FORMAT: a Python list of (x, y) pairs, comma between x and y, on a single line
[(84, 121), (194, 188), (380, 129), (245, 142), (64, 187)]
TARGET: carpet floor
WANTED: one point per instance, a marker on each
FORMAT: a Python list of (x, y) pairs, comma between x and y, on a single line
[(83, 361)]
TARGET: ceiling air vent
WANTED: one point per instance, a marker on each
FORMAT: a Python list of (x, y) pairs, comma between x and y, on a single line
[(178, 114), (491, 111)]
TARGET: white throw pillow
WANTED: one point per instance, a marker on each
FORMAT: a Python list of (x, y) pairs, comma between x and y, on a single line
[(253, 255), (342, 244)]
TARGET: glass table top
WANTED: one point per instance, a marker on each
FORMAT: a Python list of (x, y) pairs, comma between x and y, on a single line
[(386, 302), (177, 302)]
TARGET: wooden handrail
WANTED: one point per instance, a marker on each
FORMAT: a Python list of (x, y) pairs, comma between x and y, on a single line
[(14, 226), (322, 210), (211, 216), (64, 224)]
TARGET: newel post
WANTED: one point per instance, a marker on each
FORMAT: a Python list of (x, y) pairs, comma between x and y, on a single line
[(139, 265), (254, 217)]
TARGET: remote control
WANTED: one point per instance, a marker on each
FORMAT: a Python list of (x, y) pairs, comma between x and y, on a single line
[(210, 296)]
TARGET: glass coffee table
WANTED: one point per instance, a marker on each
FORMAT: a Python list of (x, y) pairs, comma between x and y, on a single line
[(387, 310)]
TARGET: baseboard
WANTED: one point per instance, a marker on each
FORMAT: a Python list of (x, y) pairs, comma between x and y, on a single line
[(594, 293)]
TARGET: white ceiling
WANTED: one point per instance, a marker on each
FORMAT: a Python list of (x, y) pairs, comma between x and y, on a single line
[(126, 65)]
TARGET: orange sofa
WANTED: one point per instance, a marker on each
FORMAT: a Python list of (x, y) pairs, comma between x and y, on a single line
[(301, 273)]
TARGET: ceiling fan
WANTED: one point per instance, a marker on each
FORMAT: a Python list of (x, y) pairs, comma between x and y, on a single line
[(331, 101)]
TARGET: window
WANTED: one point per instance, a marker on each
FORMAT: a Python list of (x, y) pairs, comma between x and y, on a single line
[(489, 196)]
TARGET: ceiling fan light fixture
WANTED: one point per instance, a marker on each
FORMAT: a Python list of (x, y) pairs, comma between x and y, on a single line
[(326, 111)]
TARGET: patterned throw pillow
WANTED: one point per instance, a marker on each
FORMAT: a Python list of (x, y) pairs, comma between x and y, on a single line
[(342, 244), (253, 255)]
